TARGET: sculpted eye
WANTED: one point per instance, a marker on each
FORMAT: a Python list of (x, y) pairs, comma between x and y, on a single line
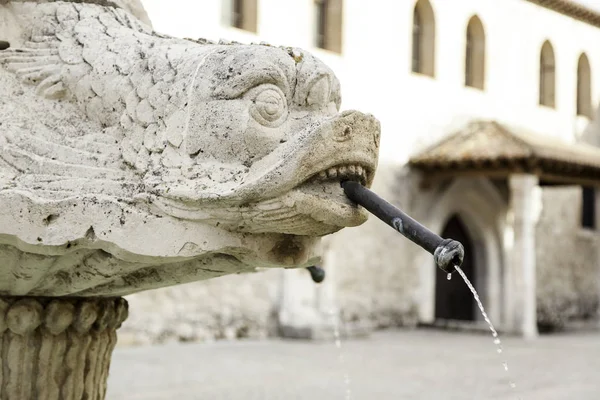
[(269, 106)]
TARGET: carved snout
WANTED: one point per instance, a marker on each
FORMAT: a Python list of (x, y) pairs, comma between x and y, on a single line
[(344, 147), (350, 124)]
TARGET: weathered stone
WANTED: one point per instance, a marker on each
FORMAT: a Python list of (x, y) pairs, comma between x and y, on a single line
[(205, 311), (115, 189), (55, 349), (130, 160)]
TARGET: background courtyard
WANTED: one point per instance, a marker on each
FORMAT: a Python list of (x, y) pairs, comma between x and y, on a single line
[(394, 364)]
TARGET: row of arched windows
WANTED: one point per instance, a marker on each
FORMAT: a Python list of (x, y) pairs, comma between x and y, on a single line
[(423, 59)]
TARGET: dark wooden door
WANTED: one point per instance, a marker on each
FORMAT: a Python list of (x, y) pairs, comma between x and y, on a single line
[(453, 299)]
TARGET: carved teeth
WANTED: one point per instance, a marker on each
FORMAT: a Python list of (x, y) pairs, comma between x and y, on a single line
[(342, 172)]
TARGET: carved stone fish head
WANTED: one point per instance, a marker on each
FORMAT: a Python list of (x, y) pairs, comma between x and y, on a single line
[(263, 146), (132, 160)]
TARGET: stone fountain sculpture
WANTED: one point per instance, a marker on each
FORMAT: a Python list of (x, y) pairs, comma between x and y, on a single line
[(131, 160)]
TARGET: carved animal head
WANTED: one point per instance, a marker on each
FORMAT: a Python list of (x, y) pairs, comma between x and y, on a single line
[(131, 160), (263, 147)]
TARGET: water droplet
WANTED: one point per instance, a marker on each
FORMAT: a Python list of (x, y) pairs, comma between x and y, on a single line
[(449, 276), (497, 341), (495, 334), (499, 351), (512, 384), (505, 365)]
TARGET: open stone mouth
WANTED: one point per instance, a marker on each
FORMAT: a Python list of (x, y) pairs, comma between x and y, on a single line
[(357, 173)]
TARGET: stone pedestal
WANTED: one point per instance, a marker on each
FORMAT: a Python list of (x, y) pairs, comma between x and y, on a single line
[(521, 288), (57, 348)]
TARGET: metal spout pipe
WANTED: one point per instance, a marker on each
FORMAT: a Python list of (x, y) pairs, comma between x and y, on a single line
[(446, 252), (316, 273)]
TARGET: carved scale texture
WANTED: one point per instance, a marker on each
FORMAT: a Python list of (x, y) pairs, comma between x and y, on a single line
[(119, 72), (57, 349)]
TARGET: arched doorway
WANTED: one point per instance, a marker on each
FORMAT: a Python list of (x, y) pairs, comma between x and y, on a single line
[(453, 299), (482, 209)]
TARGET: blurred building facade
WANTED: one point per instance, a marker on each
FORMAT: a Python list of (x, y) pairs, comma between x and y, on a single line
[(488, 135)]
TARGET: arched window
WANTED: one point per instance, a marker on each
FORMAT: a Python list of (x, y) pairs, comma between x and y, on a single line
[(423, 39), (584, 87), (475, 54), (547, 75)]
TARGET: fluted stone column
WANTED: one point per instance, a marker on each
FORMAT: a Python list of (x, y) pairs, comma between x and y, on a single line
[(57, 349)]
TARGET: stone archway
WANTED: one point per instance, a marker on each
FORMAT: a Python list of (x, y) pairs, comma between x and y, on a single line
[(482, 210), (453, 299)]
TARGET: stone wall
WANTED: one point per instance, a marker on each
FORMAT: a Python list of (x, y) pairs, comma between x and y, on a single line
[(567, 261), (229, 307)]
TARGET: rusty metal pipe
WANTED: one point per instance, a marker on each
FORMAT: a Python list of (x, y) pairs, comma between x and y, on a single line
[(446, 252)]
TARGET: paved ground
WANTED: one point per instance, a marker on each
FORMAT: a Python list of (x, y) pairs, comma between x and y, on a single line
[(420, 364)]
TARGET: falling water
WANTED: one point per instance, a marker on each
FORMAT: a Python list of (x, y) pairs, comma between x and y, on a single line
[(338, 344), (489, 322)]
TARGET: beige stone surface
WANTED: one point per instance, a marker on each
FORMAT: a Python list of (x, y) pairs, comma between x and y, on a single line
[(229, 307), (131, 160), (57, 349)]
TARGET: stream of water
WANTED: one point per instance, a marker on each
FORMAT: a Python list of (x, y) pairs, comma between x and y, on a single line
[(338, 343), (497, 341)]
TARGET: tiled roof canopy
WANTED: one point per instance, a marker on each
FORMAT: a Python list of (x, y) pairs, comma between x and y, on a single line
[(489, 148), (571, 9)]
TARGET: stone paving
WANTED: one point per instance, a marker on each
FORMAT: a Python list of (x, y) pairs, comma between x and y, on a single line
[(418, 364)]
